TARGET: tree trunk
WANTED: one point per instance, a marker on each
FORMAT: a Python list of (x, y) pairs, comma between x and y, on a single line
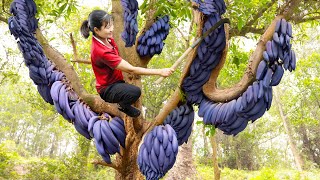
[(127, 166), (54, 145), (217, 171), (297, 157), (184, 167)]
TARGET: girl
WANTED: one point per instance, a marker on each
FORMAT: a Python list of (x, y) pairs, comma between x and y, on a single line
[(108, 65)]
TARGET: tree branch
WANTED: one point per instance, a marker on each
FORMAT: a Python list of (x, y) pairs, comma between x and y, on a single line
[(235, 32), (3, 19), (81, 61), (75, 52), (102, 163), (249, 24), (94, 101), (300, 19), (224, 95)]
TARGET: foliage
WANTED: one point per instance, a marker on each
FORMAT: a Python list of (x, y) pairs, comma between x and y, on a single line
[(7, 160)]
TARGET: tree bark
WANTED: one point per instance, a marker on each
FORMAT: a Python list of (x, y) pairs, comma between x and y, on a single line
[(184, 167), (217, 171), (297, 157)]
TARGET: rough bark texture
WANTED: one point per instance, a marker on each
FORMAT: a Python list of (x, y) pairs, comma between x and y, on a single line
[(184, 167), (297, 157)]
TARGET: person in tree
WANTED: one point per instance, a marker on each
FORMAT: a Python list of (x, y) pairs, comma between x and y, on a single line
[(107, 64)]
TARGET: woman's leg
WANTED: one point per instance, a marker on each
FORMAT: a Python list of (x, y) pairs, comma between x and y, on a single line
[(123, 94)]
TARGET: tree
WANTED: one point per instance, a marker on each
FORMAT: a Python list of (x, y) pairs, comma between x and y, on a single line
[(293, 10)]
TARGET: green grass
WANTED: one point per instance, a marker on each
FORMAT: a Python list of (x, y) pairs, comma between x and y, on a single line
[(207, 173)]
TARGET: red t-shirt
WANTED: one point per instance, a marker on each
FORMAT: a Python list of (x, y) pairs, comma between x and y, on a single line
[(104, 60)]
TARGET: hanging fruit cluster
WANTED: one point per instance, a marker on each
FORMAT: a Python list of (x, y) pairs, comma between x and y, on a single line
[(54, 87), (151, 42), (130, 13)]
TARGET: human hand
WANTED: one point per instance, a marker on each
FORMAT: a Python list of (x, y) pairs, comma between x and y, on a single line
[(165, 72)]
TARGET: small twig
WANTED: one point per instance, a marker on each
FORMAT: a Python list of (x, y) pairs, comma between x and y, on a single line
[(75, 52), (185, 39), (81, 61), (102, 163), (74, 47), (3, 19)]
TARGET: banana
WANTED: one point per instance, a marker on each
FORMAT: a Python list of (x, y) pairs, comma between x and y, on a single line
[(82, 116), (261, 90), (148, 141), (92, 121), (240, 128), (218, 117), (186, 136), (266, 56), (283, 26), (77, 114), (160, 133), (289, 29), (165, 140), (293, 60), (105, 128), (282, 39), (275, 50), (67, 109), (161, 157), (255, 90), (56, 105), (259, 114), (156, 146), (269, 50), (220, 40), (181, 110), (276, 38), (231, 110), (258, 106), (82, 131), (269, 100), (119, 123), (100, 149), (120, 134), (277, 75), (238, 107), (170, 131), (96, 131), (183, 123), (175, 144), (250, 94), (153, 161), (55, 88), (267, 79), (109, 146), (169, 150), (244, 102), (203, 107)]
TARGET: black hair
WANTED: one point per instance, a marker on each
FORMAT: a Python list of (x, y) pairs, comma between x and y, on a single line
[(96, 19)]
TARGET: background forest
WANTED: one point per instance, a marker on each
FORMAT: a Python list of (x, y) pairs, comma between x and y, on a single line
[(37, 143)]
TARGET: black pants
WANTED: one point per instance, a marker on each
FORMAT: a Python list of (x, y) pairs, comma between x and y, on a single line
[(122, 93)]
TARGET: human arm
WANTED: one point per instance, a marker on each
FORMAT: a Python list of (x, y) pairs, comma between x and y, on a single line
[(127, 67)]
